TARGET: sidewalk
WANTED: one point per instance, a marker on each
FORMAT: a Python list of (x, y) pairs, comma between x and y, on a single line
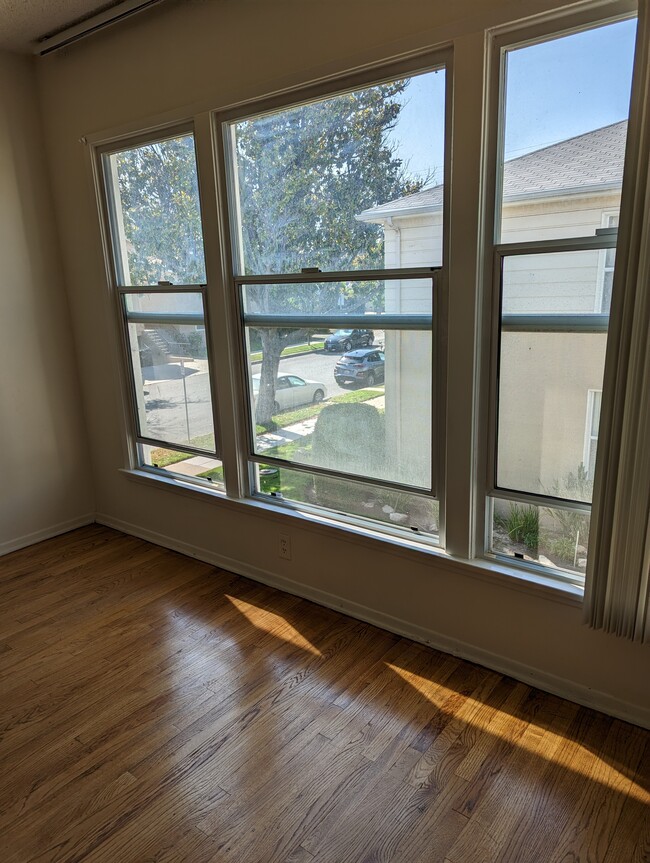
[(200, 464)]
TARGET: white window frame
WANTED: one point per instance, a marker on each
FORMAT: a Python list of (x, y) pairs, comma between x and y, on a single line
[(591, 440), (606, 227), (243, 451), (119, 291), (495, 252)]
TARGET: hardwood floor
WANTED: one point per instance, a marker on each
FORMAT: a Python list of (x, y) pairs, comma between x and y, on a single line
[(157, 709)]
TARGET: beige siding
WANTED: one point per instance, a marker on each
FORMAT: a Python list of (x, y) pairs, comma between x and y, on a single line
[(554, 218), (544, 383)]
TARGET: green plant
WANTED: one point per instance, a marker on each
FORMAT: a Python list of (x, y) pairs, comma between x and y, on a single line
[(196, 344), (563, 547), (522, 524), (573, 525)]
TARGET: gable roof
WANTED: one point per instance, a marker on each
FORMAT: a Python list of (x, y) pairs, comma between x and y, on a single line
[(589, 162)]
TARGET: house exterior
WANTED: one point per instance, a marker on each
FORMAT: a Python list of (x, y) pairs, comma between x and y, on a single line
[(550, 382)]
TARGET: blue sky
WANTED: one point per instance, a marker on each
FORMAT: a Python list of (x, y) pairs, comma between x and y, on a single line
[(556, 89)]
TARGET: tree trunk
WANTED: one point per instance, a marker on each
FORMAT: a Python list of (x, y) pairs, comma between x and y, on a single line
[(272, 344)]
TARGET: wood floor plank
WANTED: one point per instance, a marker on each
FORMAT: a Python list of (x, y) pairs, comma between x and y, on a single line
[(156, 708)]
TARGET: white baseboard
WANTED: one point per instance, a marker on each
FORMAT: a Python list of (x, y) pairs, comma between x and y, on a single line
[(636, 714), (46, 533)]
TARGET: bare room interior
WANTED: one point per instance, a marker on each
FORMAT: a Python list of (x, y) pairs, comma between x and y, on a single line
[(324, 523)]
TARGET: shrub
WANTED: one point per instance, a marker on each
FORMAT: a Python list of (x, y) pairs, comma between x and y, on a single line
[(522, 525), (573, 526)]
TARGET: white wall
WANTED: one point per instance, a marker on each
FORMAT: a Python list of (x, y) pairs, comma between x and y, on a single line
[(216, 54), (44, 471)]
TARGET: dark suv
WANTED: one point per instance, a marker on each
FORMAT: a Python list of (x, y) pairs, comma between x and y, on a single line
[(365, 366), (345, 340)]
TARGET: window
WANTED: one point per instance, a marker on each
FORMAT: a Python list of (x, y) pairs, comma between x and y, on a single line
[(561, 164), (159, 271), (319, 293), (349, 349)]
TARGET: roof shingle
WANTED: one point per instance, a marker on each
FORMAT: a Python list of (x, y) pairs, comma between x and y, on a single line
[(589, 160)]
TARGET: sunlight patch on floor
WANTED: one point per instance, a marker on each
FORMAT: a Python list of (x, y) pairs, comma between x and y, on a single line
[(595, 768), (274, 624)]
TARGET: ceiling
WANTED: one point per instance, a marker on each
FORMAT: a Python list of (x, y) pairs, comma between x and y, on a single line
[(24, 22)]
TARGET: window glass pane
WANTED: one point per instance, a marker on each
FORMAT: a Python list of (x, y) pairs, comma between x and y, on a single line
[(566, 109), (543, 391), (356, 415), (318, 184), (165, 303), (557, 538), (170, 373), (562, 283), (182, 464), (156, 217), (406, 296), (398, 509)]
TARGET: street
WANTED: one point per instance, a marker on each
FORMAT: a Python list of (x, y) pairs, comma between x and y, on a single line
[(178, 407)]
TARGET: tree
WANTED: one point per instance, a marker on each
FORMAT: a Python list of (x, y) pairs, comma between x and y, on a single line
[(303, 175), (160, 212)]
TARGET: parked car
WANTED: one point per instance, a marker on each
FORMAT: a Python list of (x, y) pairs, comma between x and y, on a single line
[(345, 340), (365, 366), (292, 391)]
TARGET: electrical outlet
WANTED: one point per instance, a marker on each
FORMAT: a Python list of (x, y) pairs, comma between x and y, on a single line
[(285, 546)]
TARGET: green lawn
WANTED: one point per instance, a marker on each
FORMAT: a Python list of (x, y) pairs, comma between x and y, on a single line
[(299, 415), (165, 457)]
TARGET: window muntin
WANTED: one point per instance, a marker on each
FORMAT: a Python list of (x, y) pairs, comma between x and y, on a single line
[(155, 213), (313, 183), (551, 328)]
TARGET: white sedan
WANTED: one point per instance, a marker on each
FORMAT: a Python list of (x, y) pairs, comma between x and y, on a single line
[(292, 391)]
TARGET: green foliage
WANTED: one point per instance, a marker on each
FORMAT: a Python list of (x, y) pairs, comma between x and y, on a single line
[(160, 212), (563, 547), (522, 525), (164, 457), (306, 172), (196, 345), (300, 414), (304, 175), (572, 525)]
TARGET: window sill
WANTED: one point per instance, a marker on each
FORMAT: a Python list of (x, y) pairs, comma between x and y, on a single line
[(492, 571)]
